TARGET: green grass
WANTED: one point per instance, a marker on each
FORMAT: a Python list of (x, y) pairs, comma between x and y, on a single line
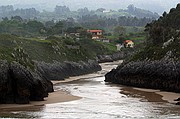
[(157, 52), (25, 50)]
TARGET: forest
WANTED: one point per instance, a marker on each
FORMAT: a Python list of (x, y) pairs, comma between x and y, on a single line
[(31, 21)]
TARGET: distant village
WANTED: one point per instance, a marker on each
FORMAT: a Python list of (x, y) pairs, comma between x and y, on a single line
[(98, 36)]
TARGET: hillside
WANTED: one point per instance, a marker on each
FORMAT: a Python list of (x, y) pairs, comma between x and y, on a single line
[(51, 49), (28, 64), (158, 64)]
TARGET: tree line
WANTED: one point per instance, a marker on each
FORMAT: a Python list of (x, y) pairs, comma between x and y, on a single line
[(22, 27), (95, 21), (63, 12)]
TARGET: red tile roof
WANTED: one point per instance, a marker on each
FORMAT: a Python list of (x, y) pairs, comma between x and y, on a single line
[(127, 41), (92, 31)]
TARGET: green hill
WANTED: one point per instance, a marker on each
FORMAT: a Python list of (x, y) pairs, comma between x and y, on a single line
[(25, 50), (156, 66), (163, 38)]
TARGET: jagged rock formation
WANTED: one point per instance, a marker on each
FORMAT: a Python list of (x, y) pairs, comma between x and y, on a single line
[(162, 75), (59, 71), (20, 85)]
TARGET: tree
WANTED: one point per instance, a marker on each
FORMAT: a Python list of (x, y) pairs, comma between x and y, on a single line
[(100, 10), (56, 29), (131, 8), (120, 31), (17, 18), (62, 10), (49, 24), (83, 11), (34, 26)]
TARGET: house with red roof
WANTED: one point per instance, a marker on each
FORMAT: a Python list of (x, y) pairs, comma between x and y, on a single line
[(128, 43), (96, 34)]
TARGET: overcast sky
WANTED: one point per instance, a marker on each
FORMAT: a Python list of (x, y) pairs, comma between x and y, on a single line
[(152, 5)]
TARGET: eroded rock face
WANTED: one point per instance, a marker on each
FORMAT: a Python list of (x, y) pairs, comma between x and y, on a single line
[(59, 71), (114, 57), (164, 75), (6, 87), (20, 85)]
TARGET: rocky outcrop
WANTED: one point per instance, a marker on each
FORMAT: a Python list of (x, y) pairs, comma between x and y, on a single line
[(114, 57), (60, 71), (164, 75), (20, 85)]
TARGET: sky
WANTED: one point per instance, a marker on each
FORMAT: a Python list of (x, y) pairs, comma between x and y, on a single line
[(158, 6)]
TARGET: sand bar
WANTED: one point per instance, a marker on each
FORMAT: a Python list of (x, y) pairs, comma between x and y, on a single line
[(55, 97), (167, 96)]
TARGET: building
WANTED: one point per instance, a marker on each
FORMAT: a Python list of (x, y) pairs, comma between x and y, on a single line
[(105, 40), (96, 34), (128, 43), (119, 46)]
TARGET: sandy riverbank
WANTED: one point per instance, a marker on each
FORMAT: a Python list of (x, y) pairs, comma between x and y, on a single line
[(57, 96), (62, 96), (54, 97), (166, 96)]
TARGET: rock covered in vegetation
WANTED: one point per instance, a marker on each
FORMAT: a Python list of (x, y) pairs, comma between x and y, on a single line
[(20, 85), (162, 75), (59, 71)]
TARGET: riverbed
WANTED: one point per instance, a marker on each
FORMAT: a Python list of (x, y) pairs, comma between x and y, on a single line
[(100, 100)]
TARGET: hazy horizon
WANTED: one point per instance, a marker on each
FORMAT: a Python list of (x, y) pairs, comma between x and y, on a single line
[(158, 6)]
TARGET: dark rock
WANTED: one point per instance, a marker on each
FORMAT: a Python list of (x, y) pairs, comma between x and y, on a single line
[(162, 75), (104, 58), (20, 85), (178, 103), (177, 99), (114, 57), (60, 71), (6, 87)]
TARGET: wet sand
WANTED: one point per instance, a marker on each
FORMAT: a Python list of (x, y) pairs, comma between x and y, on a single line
[(169, 96), (54, 97), (57, 96), (166, 96), (145, 95)]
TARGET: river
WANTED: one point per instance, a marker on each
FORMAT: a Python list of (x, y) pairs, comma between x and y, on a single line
[(101, 101)]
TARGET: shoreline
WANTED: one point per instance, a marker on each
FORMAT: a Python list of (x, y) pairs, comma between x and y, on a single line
[(166, 96), (59, 96), (54, 97)]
